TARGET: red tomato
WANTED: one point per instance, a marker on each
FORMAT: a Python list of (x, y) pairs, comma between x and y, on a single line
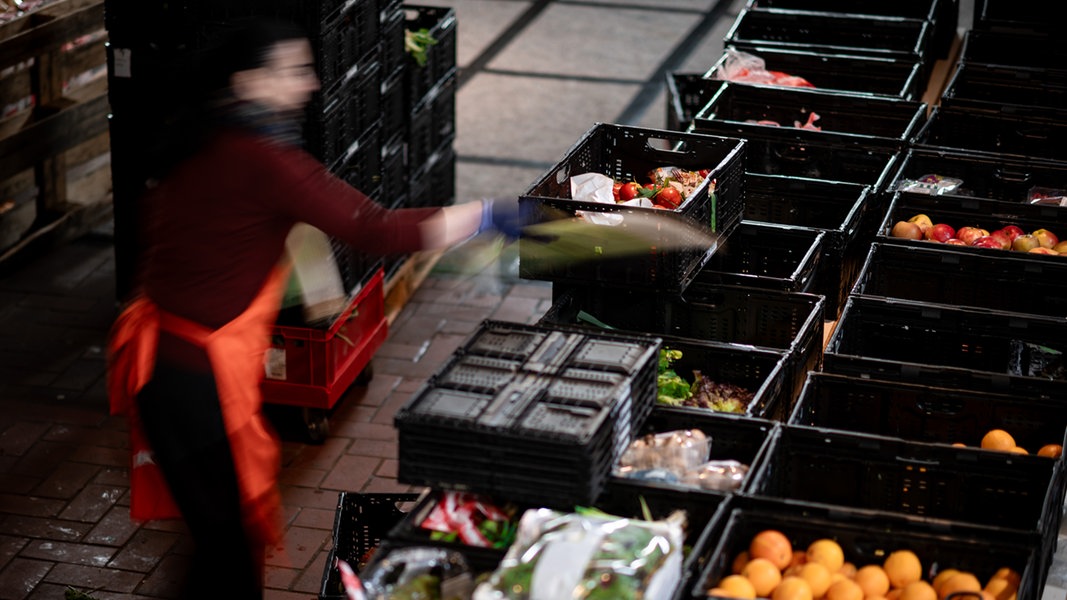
[(669, 197), (615, 191), (628, 191)]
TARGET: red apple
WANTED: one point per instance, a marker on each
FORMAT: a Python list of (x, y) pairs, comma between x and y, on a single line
[(955, 242), (1000, 236), (1013, 231), (1043, 250), (1025, 243), (1046, 237), (969, 234), (1061, 247), (940, 232), (906, 230), (988, 241)]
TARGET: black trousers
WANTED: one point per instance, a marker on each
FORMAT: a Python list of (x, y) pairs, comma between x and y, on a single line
[(182, 420)]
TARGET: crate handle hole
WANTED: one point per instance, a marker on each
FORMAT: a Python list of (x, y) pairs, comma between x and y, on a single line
[(666, 145)]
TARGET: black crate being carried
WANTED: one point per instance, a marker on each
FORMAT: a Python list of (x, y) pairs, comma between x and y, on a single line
[(627, 154), (868, 537), (835, 72), (979, 280), (808, 115), (980, 349), (532, 413)]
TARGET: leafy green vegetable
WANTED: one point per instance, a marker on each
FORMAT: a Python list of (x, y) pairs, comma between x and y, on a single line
[(671, 389), (417, 43)]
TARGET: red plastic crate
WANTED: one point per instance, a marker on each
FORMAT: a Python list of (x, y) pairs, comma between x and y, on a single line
[(313, 367)]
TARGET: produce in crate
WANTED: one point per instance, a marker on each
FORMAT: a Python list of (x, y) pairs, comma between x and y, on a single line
[(588, 556), (1008, 237), (472, 520), (417, 573), (771, 567), (674, 390), (680, 457)]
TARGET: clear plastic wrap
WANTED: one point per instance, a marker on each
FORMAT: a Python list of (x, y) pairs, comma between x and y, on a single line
[(418, 573), (680, 457), (588, 556)]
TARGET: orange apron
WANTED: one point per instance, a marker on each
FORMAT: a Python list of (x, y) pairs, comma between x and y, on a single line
[(236, 352)]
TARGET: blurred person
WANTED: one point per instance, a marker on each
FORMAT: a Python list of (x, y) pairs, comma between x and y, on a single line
[(186, 353)]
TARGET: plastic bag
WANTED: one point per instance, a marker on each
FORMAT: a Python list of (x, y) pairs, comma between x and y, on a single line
[(418, 573), (932, 184), (595, 187), (1047, 196), (743, 67), (675, 451), (588, 557)]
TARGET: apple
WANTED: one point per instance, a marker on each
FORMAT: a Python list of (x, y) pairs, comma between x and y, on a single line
[(1046, 237), (1000, 236), (1061, 247), (940, 232), (955, 242), (968, 234), (1013, 231), (1025, 243), (1042, 250), (923, 221), (907, 230), (988, 241)]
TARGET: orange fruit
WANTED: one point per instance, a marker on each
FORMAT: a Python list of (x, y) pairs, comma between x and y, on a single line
[(848, 570), (739, 562), (1001, 588), (799, 558), (918, 590), (844, 589), (772, 545), (1051, 450), (998, 439), (873, 580), (764, 575), (894, 594), (717, 591), (817, 576), (941, 578), (827, 552), (737, 586), (959, 444), (902, 567), (960, 582), (1007, 573), (1018, 450), (792, 588)]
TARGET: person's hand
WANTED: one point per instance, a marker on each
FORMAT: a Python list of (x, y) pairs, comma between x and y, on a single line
[(504, 215)]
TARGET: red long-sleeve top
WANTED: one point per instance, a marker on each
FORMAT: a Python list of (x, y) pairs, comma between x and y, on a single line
[(217, 226)]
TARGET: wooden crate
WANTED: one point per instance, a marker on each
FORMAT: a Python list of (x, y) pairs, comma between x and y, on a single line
[(55, 176)]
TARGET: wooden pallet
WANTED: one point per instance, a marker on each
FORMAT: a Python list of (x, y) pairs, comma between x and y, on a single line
[(55, 176)]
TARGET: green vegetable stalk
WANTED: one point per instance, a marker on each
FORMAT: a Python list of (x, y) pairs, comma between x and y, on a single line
[(417, 43), (671, 389)]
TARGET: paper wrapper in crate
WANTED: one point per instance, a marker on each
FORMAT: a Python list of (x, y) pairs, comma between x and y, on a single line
[(316, 276)]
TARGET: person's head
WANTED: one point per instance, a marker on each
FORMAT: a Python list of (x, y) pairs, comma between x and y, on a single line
[(269, 62)]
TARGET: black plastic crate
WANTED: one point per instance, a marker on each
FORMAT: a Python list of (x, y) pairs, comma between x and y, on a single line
[(925, 413), (335, 120), (768, 319), (993, 87), (846, 212), (763, 372), (965, 279), (962, 211), (1029, 16), (347, 44), (687, 93), (628, 154), (393, 54), (838, 72), (361, 165), (1009, 133), (440, 57), (1014, 49), (868, 537), (394, 169), (432, 123), (867, 35), (432, 183), (943, 15), (948, 346), (768, 112), (394, 113), (767, 255), (981, 176), (1002, 491), (361, 523)]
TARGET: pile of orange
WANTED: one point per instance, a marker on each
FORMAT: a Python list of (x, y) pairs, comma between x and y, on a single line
[(998, 439), (773, 568)]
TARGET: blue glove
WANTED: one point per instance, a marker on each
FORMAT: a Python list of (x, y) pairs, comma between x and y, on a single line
[(504, 215)]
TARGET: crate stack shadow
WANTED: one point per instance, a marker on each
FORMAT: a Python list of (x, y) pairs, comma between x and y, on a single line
[(382, 121)]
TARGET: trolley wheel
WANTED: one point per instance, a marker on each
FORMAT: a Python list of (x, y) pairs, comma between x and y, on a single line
[(316, 423), (365, 375)]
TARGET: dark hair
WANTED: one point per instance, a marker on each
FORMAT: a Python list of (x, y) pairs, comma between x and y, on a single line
[(244, 45)]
